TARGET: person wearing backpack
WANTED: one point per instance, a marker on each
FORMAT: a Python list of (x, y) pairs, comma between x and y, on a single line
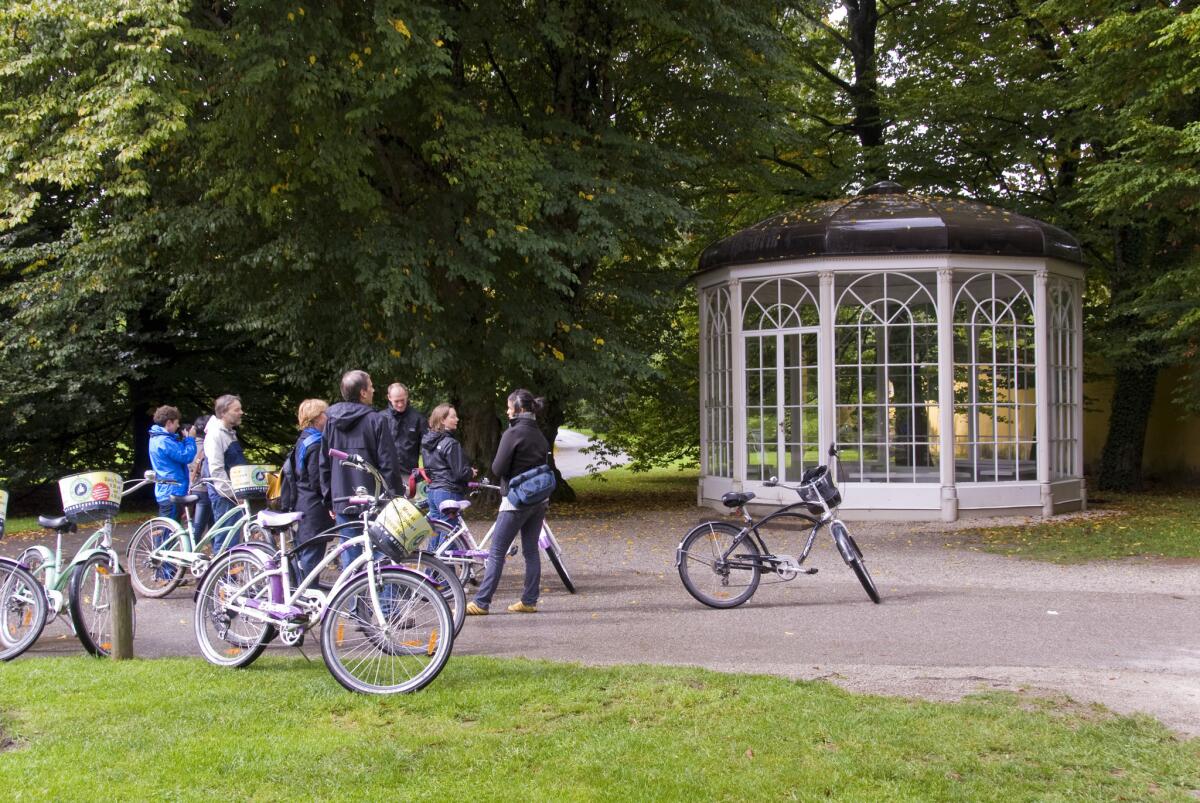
[(446, 464), (303, 475), (522, 447)]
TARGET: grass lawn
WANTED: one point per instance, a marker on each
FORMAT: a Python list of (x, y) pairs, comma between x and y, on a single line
[(1165, 524), (620, 489), (488, 729), (28, 525)]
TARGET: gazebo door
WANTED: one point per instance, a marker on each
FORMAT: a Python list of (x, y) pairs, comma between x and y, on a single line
[(781, 403)]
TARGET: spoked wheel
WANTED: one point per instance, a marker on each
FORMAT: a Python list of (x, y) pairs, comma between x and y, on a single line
[(226, 637), (404, 652), (23, 610), (151, 575), (91, 607), (554, 552), (854, 559), (711, 577), (444, 580)]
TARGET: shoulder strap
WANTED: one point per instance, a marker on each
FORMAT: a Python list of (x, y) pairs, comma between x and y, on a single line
[(304, 444)]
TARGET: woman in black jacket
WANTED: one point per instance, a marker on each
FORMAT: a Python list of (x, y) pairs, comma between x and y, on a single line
[(445, 463), (309, 499), (522, 447)]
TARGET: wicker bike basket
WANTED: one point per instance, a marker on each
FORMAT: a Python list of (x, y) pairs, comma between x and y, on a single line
[(91, 496), (816, 486), (250, 481)]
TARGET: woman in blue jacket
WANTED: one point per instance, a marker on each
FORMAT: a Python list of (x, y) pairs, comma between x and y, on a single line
[(171, 453)]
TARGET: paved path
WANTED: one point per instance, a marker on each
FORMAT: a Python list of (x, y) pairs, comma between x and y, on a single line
[(953, 622), (568, 458)]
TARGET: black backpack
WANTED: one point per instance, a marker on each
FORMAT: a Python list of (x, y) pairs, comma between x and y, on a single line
[(289, 476)]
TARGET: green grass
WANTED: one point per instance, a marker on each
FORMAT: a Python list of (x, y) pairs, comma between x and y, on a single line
[(1138, 525), (489, 729), (620, 490), (28, 525)]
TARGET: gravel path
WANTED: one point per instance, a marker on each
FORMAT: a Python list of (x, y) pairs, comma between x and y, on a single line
[(954, 621)]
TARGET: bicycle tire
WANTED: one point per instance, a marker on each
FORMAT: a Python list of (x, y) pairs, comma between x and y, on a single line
[(854, 558), (24, 609), (144, 570), (703, 547), (445, 580), (227, 639), (91, 611), (403, 655), (555, 555)]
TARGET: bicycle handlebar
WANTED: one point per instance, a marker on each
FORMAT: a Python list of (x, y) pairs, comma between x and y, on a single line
[(340, 455)]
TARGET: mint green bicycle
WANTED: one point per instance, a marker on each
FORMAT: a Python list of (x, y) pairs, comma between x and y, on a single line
[(163, 552), (80, 585)]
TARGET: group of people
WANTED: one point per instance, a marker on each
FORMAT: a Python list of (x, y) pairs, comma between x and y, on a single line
[(396, 440)]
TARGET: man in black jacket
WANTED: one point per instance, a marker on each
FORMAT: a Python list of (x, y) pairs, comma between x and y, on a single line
[(353, 426), (408, 428)]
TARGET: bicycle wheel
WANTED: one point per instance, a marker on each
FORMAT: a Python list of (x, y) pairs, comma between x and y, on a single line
[(405, 652), (444, 580), (91, 609), (554, 552), (225, 637), (854, 559), (23, 610), (717, 581), (151, 575)]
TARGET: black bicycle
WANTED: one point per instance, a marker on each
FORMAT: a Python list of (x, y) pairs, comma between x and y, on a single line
[(721, 565)]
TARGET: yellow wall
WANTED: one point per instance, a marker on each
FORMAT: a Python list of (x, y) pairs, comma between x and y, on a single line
[(1172, 440)]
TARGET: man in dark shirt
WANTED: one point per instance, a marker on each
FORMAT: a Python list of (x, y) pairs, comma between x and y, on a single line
[(408, 427)]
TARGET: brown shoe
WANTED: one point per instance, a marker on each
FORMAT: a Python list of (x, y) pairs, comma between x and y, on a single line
[(520, 607)]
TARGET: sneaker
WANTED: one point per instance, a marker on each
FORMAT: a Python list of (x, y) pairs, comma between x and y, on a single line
[(476, 610), (519, 607)]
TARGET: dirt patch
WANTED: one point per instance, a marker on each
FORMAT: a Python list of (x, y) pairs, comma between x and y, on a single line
[(7, 743)]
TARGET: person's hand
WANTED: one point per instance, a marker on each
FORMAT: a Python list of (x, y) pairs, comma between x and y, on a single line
[(474, 471)]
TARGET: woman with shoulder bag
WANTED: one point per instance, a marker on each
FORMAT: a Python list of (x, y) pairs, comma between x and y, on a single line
[(522, 447)]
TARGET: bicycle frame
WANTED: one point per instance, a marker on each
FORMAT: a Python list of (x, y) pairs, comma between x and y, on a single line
[(188, 554)]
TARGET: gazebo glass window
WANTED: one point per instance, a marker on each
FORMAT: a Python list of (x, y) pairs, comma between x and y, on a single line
[(886, 378), (780, 333), (995, 393), (1063, 373), (718, 383)]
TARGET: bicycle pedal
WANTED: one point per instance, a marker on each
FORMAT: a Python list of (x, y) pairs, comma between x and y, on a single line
[(810, 570)]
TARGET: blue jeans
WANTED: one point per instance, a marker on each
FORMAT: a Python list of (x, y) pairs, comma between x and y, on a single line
[(528, 522), (203, 518), (167, 510), (436, 496), (349, 556), (229, 536)]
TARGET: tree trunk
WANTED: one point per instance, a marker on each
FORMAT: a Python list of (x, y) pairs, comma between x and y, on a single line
[(1121, 461), (862, 19), (479, 433), (551, 421)]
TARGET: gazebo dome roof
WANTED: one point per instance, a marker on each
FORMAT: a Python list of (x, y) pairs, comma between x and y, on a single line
[(886, 219)]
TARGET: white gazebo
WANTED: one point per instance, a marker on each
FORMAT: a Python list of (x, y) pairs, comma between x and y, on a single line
[(937, 341)]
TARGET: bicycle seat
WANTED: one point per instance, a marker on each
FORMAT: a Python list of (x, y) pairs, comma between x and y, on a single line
[(270, 520), (452, 506), (190, 499), (732, 499), (60, 523)]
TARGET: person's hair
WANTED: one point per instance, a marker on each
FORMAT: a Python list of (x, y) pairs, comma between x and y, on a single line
[(310, 411), (437, 419), (166, 413), (201, 424), (525, 402), (353, 384), (223, 403), (398, 386)]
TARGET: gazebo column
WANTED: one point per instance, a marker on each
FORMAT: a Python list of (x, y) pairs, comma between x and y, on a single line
[(945, 350), (1041, 352), (826, 390), (737, 348), (1077, 380)]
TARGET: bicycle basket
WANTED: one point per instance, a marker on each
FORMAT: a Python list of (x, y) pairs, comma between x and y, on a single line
[(3, 510), (91, 496), (817, 486), (250, 481), (404, 524)]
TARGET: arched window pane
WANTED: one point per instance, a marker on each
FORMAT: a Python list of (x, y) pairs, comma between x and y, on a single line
[(1064, 406), (717, 386)]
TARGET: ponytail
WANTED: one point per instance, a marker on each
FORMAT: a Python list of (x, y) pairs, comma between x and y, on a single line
[(525, 402)]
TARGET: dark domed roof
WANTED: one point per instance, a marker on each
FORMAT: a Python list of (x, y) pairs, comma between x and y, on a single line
[(886, 219)]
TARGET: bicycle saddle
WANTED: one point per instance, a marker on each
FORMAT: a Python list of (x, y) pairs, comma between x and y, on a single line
[(271, 520), (452, 506), (732, 499), (190, 499), (60, 523)]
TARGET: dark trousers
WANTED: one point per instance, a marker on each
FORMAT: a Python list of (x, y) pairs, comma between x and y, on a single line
[(528, 522)]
